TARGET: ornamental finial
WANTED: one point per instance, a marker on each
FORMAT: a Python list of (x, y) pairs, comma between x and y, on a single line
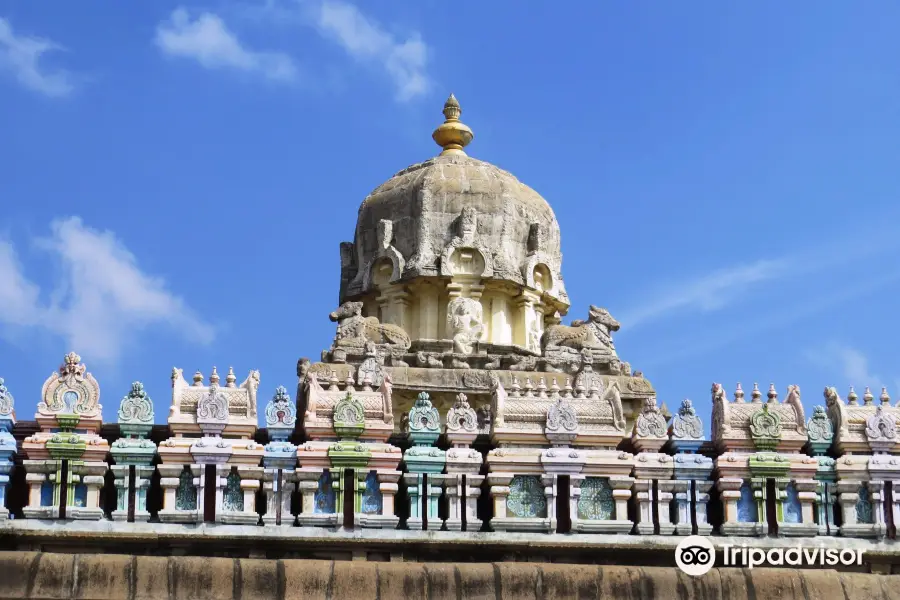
[(453, 135)]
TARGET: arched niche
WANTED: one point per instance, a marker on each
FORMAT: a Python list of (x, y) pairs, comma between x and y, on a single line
[(542, 278)]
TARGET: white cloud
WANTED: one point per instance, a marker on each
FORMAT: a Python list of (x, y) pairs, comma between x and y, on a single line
[(20, 55), (365, 40), (850, 364), (208, 40), (707, 293), (103, 299)]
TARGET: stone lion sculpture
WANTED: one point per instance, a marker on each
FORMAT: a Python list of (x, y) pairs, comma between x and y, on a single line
[(354, 330), (595, 333)]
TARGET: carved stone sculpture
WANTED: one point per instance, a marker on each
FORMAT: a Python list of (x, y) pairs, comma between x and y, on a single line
[(595, 333), (465, 323), (354, 330)]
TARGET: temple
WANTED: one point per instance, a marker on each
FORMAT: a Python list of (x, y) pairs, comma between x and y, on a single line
[(456, 406)]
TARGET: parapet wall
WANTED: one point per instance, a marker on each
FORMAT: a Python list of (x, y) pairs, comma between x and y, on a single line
[(36, 575)]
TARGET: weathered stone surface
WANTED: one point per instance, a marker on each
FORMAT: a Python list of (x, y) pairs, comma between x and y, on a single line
[(308, 579), (355, 580), (196, 578), (102, 576), (151, 577), (49, 576)]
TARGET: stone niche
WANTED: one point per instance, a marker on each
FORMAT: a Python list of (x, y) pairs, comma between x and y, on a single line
[(65, 462), (761, 467), (211, 453)]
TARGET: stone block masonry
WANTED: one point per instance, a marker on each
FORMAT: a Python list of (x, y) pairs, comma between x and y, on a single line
[(47, 576)]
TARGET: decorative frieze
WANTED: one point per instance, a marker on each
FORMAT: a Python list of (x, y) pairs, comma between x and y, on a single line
[(66, 459), (211, 452), (7, 443), (133, 455)]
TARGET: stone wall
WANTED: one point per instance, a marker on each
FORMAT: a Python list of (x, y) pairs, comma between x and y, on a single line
[(43, 575)]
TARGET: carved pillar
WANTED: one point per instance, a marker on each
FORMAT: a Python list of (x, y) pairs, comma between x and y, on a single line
[(550, 481), (621, 486), (171, 479), (122, 475), (413, 482), (387, 483), (499, 483), (501, 330), (237, 505), (682, 492), (643, 495), (701, 502), (394, 304), (664, 496), (453, 484), (428, 312), (730, 494), (530, 319), (278, 496)]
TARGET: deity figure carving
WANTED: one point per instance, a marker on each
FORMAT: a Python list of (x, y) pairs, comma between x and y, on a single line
[(465, 322), (468, 224), (354, 330), (594, 333)]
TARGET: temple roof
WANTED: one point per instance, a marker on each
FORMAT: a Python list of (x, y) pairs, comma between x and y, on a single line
[(416, 219)]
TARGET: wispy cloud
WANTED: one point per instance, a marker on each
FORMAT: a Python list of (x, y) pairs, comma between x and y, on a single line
[(706, 293), (103, 298), (728, 285), (848, 363), (402, 59), (20, 55), (364, 39), (208, 40), (692, 346)]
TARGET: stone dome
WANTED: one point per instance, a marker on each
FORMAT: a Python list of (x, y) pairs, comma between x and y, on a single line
[(454, 215)]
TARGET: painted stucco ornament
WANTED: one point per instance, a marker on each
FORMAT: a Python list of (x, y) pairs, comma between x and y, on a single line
[(280, 410), (819, 427), (136, 406), (461, 416), (686, 424)]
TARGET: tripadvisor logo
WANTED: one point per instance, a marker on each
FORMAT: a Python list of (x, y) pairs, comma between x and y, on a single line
[(696, 555)]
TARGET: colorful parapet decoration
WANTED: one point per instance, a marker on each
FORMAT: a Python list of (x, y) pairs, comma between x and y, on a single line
[(582, 426), (820, 433), (279, 459), (463, 478), (866, 438), (761, 469), (210, 466), (424, 464), (66, 460), (348, 472), (133, 455), (692, 472), (7, 443), (652, 469)]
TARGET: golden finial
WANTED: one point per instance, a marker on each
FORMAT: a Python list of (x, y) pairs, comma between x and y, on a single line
[(453, 135)]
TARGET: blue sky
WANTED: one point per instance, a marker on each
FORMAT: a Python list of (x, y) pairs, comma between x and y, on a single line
[(175, 178)]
